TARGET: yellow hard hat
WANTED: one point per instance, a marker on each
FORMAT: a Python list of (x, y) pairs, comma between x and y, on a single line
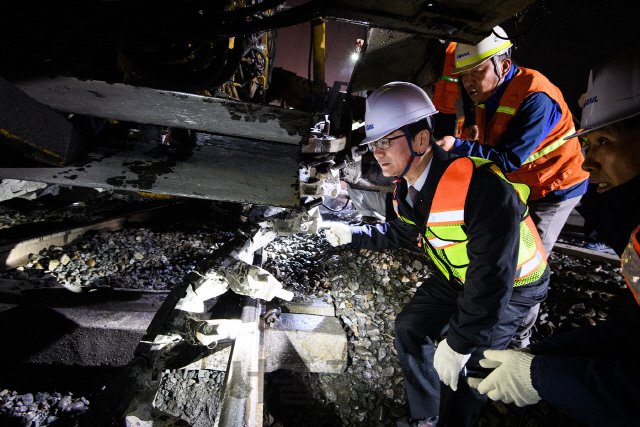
[(468, 57)]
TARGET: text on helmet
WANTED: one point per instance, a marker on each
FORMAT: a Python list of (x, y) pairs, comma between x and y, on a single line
[(462, 55), (590, 101), (368, 127)]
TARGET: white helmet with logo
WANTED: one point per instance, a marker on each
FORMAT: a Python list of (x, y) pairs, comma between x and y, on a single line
[(392, 106), (613, 93), (468, 57)]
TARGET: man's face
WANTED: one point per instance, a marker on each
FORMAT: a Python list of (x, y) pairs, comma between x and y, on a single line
[(480, 82), (613, 156), (394, 159)]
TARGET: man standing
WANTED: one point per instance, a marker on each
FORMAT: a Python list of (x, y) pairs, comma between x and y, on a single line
[(593, 373), (448, 97), (474, 224), (523, 121)]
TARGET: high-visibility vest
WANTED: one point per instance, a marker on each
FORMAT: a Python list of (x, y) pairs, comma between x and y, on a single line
[(446, 90), (555, 164), (444, 237), (631, 264)]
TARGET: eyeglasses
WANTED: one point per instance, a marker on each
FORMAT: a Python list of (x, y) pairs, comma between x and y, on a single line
[(382, 143)]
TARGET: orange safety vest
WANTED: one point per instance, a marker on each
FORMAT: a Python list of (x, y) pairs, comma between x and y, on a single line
[(446, 90), (631, 264), (445, 237), (555, 164)]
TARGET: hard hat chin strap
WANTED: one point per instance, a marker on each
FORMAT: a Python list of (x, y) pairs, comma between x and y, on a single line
[(496, 67), (413, 153)]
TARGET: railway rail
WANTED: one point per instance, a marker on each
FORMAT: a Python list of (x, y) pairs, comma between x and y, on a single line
[(193, 329), (186, 328)]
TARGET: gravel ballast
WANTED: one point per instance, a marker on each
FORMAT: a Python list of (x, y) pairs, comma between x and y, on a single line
[(367, 288)]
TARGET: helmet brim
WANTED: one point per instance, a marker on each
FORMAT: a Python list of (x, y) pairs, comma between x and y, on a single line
[(378, 136), (469, 66), (599, 126)]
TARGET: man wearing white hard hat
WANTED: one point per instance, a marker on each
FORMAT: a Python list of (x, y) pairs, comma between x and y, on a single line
[(473, 223), (593, 373), (523, 121)]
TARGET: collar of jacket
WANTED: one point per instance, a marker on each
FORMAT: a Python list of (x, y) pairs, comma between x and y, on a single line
[(492, 104), (420, 213)]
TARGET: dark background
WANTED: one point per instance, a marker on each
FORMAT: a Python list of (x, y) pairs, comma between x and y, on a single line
[(563, 44)]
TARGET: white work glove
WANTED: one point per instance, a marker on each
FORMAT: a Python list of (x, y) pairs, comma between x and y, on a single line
[(448, 364), (337, 233), (511, 379)]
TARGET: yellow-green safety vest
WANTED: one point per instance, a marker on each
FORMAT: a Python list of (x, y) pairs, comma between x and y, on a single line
[(444, 238)]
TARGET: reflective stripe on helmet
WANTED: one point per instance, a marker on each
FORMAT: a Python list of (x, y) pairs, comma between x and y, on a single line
[(484, 55)]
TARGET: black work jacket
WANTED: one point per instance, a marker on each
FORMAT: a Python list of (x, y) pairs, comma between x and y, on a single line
[(593, 373), (492, 219)]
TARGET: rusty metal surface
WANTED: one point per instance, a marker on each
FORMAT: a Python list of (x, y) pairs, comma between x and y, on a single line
[(166, 108), (234, 169)]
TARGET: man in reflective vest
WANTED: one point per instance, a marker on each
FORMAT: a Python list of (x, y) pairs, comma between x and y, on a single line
[(447, 95), (523, 121), (593, 373), (474, 224)]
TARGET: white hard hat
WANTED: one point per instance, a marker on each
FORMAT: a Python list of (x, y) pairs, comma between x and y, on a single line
[(468, 57), (613, 93), (392, 106)]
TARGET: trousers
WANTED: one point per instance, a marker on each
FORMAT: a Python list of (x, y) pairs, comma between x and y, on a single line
[(549, 219), (423, 321)]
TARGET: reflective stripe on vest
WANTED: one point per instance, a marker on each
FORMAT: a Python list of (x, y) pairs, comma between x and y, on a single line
[(555, 164), (450, 79), (546, 150), (444, 231), (446, 218), (549, 148), (631, 264)]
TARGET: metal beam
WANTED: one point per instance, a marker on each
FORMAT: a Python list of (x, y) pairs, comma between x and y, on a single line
[(35, 129), (226, 168), (166, 108)]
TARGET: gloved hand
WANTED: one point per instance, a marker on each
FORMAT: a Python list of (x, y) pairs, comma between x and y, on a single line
[(337, 233), (448, 364), (511, 379)]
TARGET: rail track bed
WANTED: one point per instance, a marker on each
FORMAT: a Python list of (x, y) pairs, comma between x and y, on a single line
[(66, 352)]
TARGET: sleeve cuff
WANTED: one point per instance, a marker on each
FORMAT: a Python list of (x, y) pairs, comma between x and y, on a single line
[(459, 346)]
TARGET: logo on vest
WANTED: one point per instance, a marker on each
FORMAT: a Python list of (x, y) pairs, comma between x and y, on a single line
[(462, 55), (589, 101), (368, 127)]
